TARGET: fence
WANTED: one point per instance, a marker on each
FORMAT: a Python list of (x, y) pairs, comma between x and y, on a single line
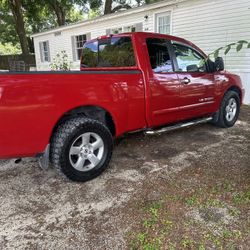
[(17, 62)]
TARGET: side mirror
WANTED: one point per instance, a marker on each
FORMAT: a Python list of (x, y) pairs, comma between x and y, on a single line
[(192, 68), (219, 64)]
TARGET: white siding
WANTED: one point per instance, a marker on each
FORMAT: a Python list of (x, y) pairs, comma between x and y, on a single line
[(213, 24), (209, 24)]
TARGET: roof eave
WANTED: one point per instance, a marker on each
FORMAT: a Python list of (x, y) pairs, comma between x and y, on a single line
[(110, 16)]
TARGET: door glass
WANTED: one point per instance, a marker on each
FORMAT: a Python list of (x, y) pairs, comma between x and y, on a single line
[(189, 60), (159, 55)]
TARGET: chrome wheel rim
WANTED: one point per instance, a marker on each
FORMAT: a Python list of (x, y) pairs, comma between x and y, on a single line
[(231, 109), (86, 151)]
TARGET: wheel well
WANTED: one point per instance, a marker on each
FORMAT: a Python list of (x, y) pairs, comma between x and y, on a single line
[(237, 90), (94, 112)]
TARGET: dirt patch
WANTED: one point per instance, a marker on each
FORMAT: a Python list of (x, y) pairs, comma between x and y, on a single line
[(190, 191)]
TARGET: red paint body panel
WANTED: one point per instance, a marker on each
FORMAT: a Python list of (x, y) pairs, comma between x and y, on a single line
[(31, 104)]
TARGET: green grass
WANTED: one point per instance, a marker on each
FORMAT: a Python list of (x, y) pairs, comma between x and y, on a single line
[(241, 198), (192, 201), (161, 228)]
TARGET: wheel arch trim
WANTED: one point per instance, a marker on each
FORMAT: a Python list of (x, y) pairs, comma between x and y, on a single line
[(86, 110)]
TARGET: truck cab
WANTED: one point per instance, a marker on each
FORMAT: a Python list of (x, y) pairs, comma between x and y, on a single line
[(180, 81)]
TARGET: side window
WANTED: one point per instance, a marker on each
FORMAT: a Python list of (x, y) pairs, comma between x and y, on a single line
[(159, 55), (114, 52), (189, 60)]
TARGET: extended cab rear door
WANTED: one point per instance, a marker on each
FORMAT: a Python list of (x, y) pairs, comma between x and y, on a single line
[(197, 85), (164, 85)]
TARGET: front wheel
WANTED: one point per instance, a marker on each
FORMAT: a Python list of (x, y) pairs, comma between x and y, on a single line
[(229, 110), (81, 148)]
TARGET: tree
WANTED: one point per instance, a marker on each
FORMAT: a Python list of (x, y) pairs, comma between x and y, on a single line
[(7, 25), (17, 13), (62, 8), (108, 7), (21, 18), (119, 5)]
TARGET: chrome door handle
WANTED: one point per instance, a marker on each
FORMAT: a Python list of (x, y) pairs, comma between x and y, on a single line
[(185, 80)]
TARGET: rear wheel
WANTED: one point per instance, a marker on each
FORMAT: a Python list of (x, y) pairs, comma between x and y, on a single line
[(81, 148), (229, 110)]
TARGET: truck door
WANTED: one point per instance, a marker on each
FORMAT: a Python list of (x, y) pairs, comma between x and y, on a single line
[(163, 83), (196, 83)]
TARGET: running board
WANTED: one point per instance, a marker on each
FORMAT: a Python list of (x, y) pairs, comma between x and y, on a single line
[(177, 126)]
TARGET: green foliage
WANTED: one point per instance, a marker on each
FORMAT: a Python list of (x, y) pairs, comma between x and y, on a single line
[(237, 45), (9, 49), (38, 17), (74, 15), (61, 62), (7, 26), (93, 13)]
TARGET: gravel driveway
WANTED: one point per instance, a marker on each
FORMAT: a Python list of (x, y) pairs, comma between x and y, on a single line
[(40, 210)]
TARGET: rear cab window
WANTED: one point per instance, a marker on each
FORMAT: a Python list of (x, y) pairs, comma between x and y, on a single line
[(108, 52)]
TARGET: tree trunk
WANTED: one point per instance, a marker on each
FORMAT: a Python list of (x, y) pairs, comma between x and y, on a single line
[(16, 9), (59, 11), (108, 7)]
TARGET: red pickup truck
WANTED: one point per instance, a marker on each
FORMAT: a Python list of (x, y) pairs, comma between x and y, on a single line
[(127, 82)]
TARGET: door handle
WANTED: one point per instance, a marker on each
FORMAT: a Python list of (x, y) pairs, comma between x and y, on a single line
[(185, 80)]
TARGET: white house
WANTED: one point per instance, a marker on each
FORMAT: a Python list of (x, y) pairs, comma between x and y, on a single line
[(210, 24)]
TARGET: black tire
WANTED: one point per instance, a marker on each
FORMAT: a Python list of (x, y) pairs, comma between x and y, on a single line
[(221, 119), (63, 140)]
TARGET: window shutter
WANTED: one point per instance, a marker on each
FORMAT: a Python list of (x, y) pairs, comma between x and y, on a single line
[(88, 36), (73, 42), (108, 32), (138, 27), (41, 51), (48, 51)]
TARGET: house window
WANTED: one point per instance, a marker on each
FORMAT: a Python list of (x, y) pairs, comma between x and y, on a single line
[(79, 42), (163, 22), (44, 51)]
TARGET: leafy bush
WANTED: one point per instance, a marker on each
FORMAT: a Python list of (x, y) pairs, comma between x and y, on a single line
[(9, 49), (61, 62)]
